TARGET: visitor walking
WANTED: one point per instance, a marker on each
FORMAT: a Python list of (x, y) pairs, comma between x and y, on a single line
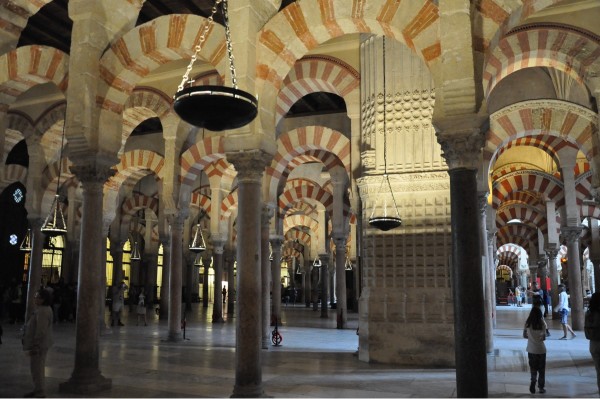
[(563, 310), (535, 332)]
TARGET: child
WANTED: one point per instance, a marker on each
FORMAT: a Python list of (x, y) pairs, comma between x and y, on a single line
[(141, 308), (535, 332)]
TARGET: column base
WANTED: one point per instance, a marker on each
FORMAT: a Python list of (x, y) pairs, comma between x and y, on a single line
[(85, 385), (174, 337), (248, 392)]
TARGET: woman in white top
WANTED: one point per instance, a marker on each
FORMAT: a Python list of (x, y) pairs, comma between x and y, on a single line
[(535, 332)]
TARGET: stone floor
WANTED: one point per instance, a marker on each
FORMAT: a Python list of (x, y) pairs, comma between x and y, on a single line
[(314, 360)]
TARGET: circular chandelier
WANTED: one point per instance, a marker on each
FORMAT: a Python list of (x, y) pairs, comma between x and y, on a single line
[(215, 108)]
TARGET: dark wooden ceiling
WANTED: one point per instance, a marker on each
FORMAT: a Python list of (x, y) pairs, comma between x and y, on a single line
[(51, 26)]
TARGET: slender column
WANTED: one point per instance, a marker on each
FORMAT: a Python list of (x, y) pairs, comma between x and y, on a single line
[(232, 285), (35, 264), (487, 289), (340, 277), (461, 150), (175, 276), (491, 265), (206, 261), (308, 289), (151, 278), (324, 283), (164, 289), (266, 215), (543, 274), (116, 251), (276, 242), (188, 264), (217, 316), (86, 377), (571, 234), (250, 166), (551, 254)]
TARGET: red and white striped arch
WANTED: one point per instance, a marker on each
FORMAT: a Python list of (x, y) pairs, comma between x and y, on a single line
[(133, 161), (288, 198), (148, 46), (544, 124), (316, 73), (297, 234), (320, 143), (518, 234), (560, 47), (303, 25), (525, 213), (583, 187), (199, 156), (297, 220), (200, 201), (136, 202), (229, 205), (18, 127), (29, 66), (510, 248), (539, 182), (11, 174)]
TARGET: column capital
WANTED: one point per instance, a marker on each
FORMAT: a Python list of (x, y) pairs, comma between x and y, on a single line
[(250, 165), (571, 233), (91, 173), (276, 242), (462, 138), (482, 198), (267, 212), (339, 241), (551, 253), (176, 220)]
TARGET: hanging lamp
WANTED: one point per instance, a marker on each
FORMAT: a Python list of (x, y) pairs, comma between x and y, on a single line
[(348, 263), (215, 108), (54, 224), (198, 245), (385, 221), (198, 262), (317, 262), (26, 244), (135, 254)]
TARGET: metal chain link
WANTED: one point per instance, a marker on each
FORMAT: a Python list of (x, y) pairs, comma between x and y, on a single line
[(229, 48), (198, 48)]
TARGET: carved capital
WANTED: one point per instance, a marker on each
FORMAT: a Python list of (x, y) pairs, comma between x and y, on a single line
[(552, 253), (267, 213), (482, 199), (462, 150), (250, 165), (276, 242), (571, 233), (89, 173)]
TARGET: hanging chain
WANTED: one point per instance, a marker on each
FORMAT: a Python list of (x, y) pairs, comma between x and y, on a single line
[(198, 48), (229, 48)]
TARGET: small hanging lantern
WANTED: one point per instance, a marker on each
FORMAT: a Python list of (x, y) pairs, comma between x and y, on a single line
[(135, 254), (215, 108), (317, 262), (198, 245), (26, 244), (384, 220), (54, 224)]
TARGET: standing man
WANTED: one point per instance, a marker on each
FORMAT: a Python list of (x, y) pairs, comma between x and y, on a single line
[(118, 303), (563, 310)]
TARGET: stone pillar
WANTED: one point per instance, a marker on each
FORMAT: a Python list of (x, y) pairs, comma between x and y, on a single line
[(151, 279), (487, 287), (250, 166), (491, 265), (175, 276), (164, 289), (266, 215), (35, 264), (340, 276), (86, 377), (232, 285), (571, 234), (308, 291), (217, 316), (188, 264), (324, 283), (116, 251), (206, 261), (276, 242), (461, 145), (543, 274), (552, 254)]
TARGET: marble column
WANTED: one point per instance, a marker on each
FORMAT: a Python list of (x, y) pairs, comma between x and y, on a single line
[(276, 242), (250, 166), (571, 234), (487, 287), (151, 279), (552, 255), (461, 146), (340, 277), (164, 289), (176, 222), (491, 265), (217, 316), (86, 377), (35, 264), (324, 269), (206, 261), (188, 265), (232, 285), (265, 268)]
